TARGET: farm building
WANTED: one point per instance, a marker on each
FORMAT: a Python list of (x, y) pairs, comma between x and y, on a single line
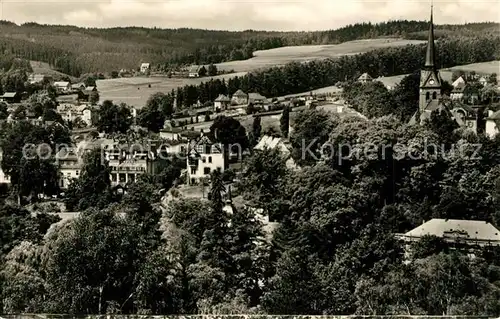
[(62, 86), (365, 78), (239, 97), (256, 98), (221, 102), (145, 67), (194, 71)]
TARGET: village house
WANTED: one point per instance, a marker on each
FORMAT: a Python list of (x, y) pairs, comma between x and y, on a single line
[(365, 78), (239, 98), (71, 112), (204, 157), (458, 91), (78, 87), (459, 81), (256, 99), (11, 97), (69, 162), (221, 103), (483, 81), (194, 71), (467, 234), (35, 78), (145, 68), (278, 143), (62, 86)]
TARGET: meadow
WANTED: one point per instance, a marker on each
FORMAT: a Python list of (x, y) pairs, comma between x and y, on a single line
[(284, 55)]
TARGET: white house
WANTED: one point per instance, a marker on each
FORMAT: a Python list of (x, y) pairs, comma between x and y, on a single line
[(62, 86), (239, 97), (145, 67), (365, 78), (221, 102), (483, 81), (269, 142), (492, 124), (454, 231), (204, 157), (193, 71), (70, 163)]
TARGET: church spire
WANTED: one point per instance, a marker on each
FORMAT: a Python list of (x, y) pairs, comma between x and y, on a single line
[(430, 56)]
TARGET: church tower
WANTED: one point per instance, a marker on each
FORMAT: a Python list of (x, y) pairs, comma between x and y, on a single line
[(430, 80)]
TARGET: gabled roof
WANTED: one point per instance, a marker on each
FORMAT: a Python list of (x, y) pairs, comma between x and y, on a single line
[(222, 98), (471, 229), (146, 65), (458, 81), (240, 93), (483, 79), (459, 88), (194, 69), (256, 96), (271, 143), (61, 83), (365, 76)]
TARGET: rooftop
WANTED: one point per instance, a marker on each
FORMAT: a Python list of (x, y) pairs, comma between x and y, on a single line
[(468, 229)]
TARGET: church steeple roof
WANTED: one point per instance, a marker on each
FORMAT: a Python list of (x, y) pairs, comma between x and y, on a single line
[(431, 55)]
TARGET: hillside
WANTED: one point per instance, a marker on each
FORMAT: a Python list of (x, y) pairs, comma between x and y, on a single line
[(73, 50)]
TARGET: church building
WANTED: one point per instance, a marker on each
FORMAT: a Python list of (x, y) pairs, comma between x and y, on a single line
[(431, 98)]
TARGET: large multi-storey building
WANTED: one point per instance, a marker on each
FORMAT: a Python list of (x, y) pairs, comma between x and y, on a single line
[(204, 157)]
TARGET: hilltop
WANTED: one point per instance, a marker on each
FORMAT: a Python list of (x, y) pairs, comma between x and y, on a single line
[(74, 50)]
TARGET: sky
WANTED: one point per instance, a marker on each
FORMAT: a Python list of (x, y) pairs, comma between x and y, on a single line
[(279, 15)]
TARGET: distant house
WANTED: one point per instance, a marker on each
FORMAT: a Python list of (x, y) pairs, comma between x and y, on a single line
[(270, 142), (69, 166), (483, 81), (365, 78), (471, 233), (35, 78), (11, 97), (458, 91), (221, 102), (194, 71), (62, 86), (145, 67), (465, 116), (204, 157), (256, 98), (239, 97), (78, 86)]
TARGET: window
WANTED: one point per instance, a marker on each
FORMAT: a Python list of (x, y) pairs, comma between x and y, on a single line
[(204, 159), (434, 95), (427, 96), (206, 170), (193, 170), (77, 173), (210, 159), (200, 149)]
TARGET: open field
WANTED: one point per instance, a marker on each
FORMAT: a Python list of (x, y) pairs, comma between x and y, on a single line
[(45, 69), (135, 91), (284, 55), (480, 68)]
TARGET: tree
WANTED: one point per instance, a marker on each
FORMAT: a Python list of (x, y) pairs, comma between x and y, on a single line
[(230, 133), (92, 188), (202, 71), (285, 121), (3, 111), (310, 131), (256, 129), (114, 118), (212, 70)]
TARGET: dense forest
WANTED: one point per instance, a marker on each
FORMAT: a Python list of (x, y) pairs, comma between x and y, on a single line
[(73, 50), (303, 77)]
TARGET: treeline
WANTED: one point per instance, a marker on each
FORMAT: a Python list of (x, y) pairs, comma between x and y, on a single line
[(303, 77), (75, 50)]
